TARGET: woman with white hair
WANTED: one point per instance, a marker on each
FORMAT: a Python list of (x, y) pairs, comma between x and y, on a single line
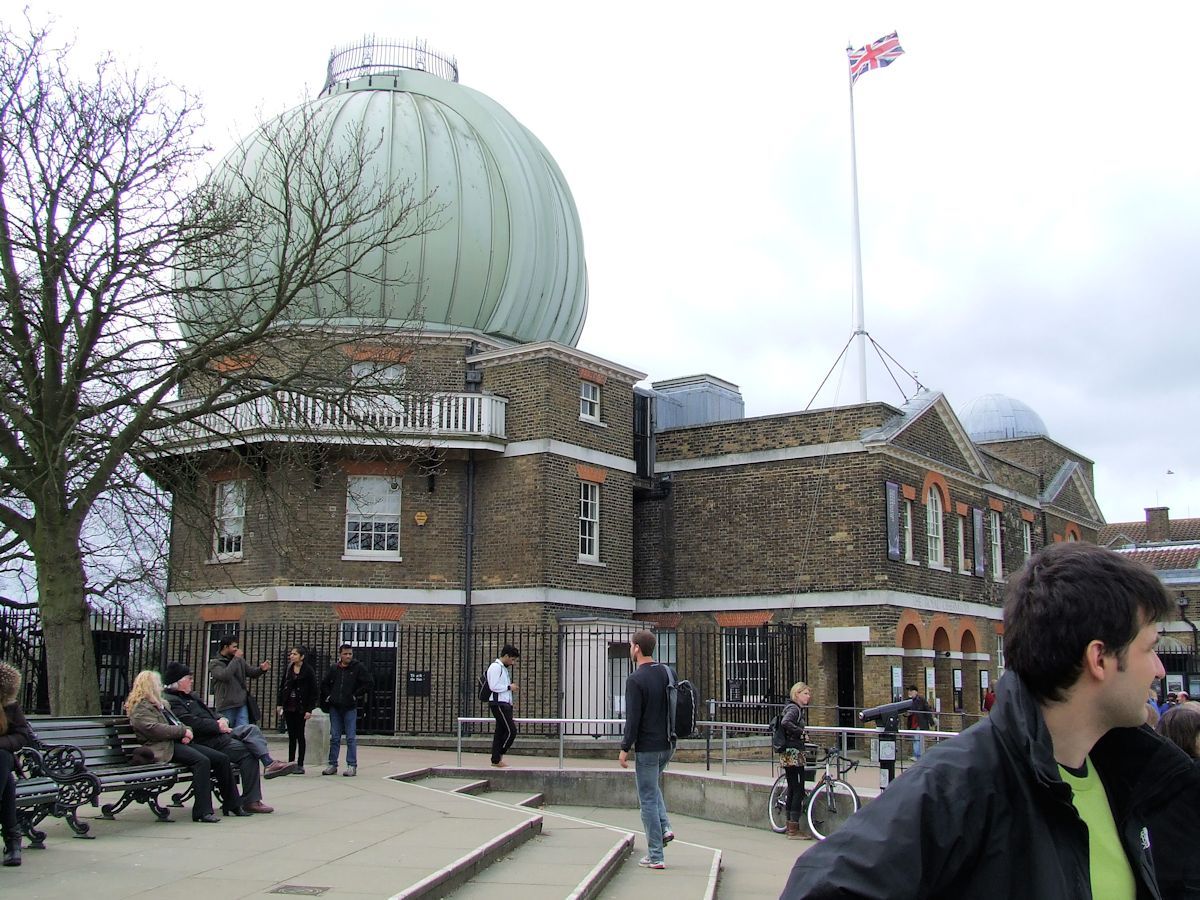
[(171, 741)]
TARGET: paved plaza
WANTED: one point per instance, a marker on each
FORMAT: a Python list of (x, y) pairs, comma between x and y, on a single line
[(374, 836)]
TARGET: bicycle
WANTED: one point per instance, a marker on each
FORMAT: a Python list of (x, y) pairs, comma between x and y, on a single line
[(777, 804), (832, 800)]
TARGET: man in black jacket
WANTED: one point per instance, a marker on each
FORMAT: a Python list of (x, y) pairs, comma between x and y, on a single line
[(246, 746), (346, 681), (1046, 798), (647, 733)]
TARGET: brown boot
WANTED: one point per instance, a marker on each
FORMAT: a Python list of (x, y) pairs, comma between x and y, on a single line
[(793, 829)]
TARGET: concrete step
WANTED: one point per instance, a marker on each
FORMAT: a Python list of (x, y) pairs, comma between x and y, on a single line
[(570, 858), (692, 869)]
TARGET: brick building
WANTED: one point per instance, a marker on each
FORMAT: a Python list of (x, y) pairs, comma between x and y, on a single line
[(1171, 547), (532, 483)]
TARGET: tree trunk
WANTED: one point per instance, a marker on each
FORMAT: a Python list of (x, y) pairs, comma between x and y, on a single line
[(62, 598)]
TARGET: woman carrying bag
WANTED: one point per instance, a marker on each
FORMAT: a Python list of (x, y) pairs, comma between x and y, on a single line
[(297, 698), (791, 758)]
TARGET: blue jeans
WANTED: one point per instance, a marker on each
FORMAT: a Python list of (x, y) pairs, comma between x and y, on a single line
[(343, 721), (648, 767), (237, 715), (916, 741)]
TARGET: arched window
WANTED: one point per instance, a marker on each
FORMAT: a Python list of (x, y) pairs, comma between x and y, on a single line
[(933, 527)]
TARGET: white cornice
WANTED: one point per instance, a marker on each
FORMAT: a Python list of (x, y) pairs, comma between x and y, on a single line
[(571, 451), (554, 350), (404, 596), (755, 457), (819, 600)]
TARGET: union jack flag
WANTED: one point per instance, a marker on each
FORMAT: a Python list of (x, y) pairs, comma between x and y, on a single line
[(881, 53)]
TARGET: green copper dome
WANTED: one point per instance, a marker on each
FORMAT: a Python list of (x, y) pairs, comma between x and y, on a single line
[(507, 259)]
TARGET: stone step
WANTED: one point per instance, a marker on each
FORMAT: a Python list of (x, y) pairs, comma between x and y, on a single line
[(569, 858)]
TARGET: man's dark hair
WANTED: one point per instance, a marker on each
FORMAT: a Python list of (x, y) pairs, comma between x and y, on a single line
[(227, 640), (510, 651), (645, 640), (342, 647), (1066, 596), (912, 687)]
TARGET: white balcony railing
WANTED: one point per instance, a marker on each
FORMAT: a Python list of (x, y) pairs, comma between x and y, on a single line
[(422, 418)]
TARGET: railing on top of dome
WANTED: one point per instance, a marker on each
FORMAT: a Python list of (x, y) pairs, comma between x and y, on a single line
[(420, 416), (372, 56)]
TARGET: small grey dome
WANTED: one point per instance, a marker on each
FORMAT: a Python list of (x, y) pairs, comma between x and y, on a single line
[(995, 417)]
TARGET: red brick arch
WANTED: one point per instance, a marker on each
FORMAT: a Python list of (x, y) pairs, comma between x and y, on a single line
[(1072, 531), (933, 479), (909, 619)]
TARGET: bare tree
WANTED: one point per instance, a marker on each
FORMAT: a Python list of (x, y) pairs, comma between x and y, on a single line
[(141, 304)]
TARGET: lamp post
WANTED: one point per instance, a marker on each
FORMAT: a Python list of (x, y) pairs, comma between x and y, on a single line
[(1182, 600)]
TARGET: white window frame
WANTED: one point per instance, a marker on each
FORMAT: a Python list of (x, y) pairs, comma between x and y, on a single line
[(997, 546), (907, 524), (935, 546), (1027, 538), (589, 521), (589, 401), (229, 518), (378, 375), (368, 633), (962, 545), (747, 659), (999, 655), (380, 513)]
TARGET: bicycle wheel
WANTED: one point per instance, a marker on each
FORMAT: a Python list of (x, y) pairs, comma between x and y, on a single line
[(777, 808), (829, 806)]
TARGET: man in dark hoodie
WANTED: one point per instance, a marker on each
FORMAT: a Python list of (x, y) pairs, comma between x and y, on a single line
[(1047, 797), (346, 681)]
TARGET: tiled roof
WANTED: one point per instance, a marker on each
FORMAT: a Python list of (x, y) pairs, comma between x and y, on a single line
[(1181, 530), (1187, 557)]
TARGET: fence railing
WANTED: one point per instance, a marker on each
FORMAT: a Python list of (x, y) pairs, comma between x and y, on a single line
[(424, 676), (424, 416)]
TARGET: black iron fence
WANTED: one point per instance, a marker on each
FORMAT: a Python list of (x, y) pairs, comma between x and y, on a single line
[(424, 677)]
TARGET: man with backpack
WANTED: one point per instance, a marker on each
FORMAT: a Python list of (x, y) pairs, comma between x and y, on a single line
[(648, 732), (500, 702)]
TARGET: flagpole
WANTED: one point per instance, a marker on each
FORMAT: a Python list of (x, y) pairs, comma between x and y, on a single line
[(860, 331)]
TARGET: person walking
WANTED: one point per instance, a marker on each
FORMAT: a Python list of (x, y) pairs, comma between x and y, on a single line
[(345, 682), (229, 673), (169, 740), (296, 701), (919, 717), (647, 734), (499, 677), (15, 734), (791, 759)]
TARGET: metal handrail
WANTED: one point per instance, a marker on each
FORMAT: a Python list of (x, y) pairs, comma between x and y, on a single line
[(710, 726)]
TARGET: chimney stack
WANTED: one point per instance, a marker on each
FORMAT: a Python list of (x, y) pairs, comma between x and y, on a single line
[(1158, 524)]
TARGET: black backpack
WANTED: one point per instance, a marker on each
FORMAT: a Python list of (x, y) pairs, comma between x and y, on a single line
[(483, 688), (682, 705), (778, 741)]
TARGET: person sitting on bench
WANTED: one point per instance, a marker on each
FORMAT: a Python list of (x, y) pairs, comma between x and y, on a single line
[(245, 745), (169, 740)]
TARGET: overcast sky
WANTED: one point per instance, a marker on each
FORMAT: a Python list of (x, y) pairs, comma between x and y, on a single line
[(1029, 178)]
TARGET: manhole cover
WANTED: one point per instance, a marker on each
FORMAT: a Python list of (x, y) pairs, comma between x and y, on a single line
[(302, 890)]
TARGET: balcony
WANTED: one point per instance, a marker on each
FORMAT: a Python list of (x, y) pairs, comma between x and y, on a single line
[(468, 420)]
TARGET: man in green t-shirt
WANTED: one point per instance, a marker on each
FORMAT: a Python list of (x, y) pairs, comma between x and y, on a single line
[(1048, 796)]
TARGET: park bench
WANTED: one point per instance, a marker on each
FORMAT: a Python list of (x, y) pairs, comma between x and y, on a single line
[(98, 750), (39, 795)]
